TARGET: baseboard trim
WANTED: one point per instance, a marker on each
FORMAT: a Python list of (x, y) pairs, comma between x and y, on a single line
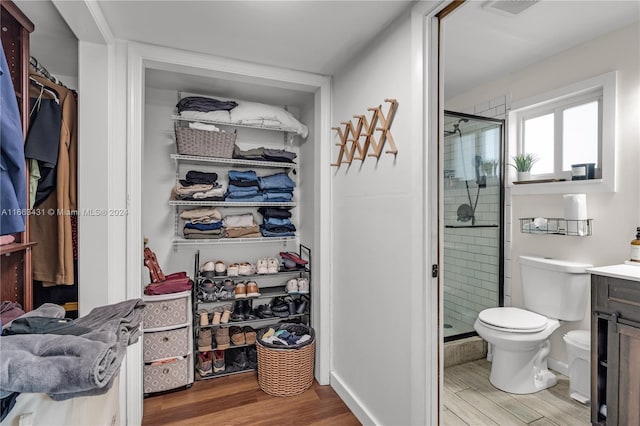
[(359, 410), (559, 366)]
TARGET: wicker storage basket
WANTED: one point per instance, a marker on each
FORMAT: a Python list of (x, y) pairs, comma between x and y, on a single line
[(286, 370), (205, 143)]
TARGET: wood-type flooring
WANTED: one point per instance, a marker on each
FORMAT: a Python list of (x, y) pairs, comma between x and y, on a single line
[(469, 399), (238, 400)]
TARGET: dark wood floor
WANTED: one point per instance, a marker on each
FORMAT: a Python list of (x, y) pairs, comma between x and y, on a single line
[(238, 400)]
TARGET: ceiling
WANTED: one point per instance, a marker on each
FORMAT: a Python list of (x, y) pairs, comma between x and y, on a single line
[(481, 45), (322, 36)]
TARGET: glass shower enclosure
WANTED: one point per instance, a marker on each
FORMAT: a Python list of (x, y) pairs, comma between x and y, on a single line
[(473, 216)]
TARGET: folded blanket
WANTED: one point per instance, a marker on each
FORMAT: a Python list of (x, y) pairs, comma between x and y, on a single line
[(204, 104), (66, 366), (246, 111), (239, 220)]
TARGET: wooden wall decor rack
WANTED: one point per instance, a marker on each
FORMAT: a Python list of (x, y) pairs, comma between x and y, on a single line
[(351, 134)]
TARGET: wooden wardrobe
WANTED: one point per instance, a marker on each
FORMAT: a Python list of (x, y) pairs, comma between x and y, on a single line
[(15, 258)]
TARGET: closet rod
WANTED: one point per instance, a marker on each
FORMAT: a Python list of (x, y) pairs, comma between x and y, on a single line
[(42, 70)]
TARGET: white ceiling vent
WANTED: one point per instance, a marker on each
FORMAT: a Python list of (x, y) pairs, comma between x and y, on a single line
[(509, 7)]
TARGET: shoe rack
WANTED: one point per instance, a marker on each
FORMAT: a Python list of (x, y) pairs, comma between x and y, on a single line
[(240, 356)]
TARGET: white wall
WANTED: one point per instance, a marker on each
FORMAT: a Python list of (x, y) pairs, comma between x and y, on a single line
[(377, 239), (615, 215)]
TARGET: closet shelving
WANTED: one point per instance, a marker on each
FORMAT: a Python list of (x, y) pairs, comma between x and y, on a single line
[(556, 226), (271, 286), (228, 162)]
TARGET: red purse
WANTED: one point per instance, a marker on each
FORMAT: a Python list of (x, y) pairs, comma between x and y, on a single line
[(174, 283)]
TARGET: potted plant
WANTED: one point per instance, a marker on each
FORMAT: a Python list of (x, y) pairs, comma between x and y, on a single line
[(523, 164)]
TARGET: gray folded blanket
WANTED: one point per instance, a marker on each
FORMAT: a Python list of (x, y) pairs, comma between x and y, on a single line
[(67, 366)]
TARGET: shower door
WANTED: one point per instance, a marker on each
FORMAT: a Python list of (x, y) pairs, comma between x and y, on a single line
[(473, 199)]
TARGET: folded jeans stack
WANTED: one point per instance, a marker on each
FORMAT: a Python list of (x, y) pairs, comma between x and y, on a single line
[(243, 187), (265, 154), (276, 222)]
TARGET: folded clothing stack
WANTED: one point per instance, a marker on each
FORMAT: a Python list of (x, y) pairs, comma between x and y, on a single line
[(240, 226), (202, 223), (199, 186), (246, 186), (276, 222), (264, 154)]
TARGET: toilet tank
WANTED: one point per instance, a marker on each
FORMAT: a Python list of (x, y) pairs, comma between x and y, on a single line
[(555, 288)]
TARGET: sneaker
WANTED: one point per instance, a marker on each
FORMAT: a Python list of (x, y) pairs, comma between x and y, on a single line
[(233, 269), (237, 336), (222, 338), (292, 286), (252, 356), (240, 361), (252, 289), (207, 290), (246, 268), (303, 286), (204, 363), (228, 290), (208, 269), (220, 268), (272, 265), (238, 312), (240, 290), (204, 340), (262, 266), (218, 361)]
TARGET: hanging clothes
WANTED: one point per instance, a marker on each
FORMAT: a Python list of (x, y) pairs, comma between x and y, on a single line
[(53, 255), (13, 190)]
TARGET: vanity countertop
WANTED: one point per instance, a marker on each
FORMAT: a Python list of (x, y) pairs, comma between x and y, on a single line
[(623, 271)]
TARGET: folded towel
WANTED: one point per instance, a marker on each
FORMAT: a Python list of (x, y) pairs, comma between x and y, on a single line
[(202, 126)]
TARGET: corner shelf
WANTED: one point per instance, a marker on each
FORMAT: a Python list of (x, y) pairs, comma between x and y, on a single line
[(556, 226)]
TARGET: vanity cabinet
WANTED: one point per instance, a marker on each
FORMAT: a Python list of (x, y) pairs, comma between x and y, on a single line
[(615, 343)]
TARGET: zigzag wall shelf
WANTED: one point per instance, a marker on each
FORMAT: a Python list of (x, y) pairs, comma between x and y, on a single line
[(351, 134)]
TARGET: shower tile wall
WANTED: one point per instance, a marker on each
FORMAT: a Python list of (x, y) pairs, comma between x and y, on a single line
[(471, 257)]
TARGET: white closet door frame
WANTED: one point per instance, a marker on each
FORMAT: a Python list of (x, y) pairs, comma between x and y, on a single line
[(141, 57)]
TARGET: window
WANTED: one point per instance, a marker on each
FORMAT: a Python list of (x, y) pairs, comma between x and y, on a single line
[(563, 132), (572, 125)]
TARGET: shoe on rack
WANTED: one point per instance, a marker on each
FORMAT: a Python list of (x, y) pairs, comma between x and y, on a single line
[(252, 289), (303, 286), (300, 262), (226, 313), (273, 267), (240, 290), (249, 335), (204, 340), (246, 268), (204, 363), (237, 336), (262, 266), (239, 359), (207, 290), (291, 305), (264, 311), (301, 305), (218, 361), (233, 270), (203, 317), (217, 315), (222, 338), (252, 356), (247, 310), (292, 286), (220, 269), (238, 312), (227, 291), (208, 269)]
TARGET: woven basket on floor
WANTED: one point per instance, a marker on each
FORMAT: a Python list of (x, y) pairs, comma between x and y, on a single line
[(286, 372), (205, 143)]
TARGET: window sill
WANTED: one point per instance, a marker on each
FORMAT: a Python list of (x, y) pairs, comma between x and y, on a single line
[(562, 187)]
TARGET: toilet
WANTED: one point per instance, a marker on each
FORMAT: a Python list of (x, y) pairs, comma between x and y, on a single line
[(553, 290)]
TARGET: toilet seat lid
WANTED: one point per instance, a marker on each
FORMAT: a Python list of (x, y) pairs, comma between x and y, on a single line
[(510, 318)]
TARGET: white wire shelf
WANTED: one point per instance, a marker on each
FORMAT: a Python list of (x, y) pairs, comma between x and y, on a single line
[(222, 123), (234, 161), (556, 226), (231, 204), (214, 241)]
